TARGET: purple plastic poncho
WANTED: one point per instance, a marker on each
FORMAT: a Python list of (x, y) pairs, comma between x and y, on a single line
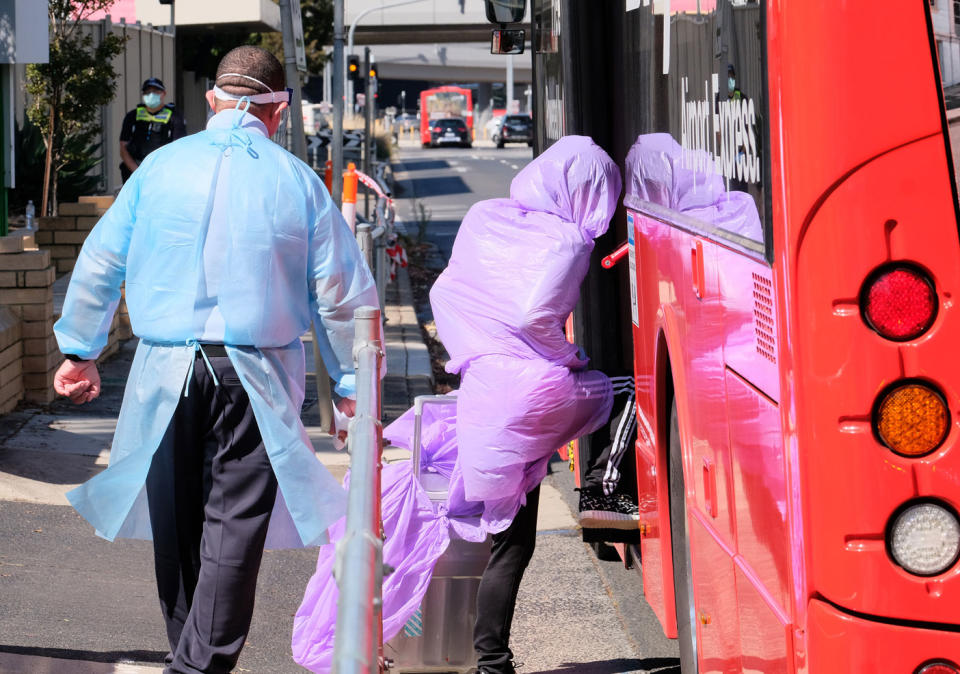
[(500, 306)]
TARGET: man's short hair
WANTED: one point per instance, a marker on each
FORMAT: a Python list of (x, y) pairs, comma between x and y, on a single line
[(253, 62)]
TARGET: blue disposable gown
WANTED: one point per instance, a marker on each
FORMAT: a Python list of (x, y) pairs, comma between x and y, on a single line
[(289, 259)]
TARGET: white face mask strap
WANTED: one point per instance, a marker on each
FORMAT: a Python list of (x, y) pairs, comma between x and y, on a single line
[(246, 77), (272, 97)]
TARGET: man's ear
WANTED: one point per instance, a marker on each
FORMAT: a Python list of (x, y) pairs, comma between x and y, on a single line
[(280, 108), (211, 99)]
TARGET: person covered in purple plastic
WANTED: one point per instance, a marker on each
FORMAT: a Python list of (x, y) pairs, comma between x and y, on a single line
[(500, 306)]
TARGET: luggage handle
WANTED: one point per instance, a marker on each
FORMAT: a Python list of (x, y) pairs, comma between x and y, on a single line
[(418, 404)]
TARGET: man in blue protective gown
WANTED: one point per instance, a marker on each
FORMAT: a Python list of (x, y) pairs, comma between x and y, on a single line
[(229, 247)]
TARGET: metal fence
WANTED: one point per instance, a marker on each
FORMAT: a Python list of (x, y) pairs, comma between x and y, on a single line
[(359, 571)]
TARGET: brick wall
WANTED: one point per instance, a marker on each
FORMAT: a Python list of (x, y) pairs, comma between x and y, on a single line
[(29, 273), (26, 291), (11, 365), (64, 234)]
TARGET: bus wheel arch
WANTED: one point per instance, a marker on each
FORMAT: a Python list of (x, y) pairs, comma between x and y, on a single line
[(678, 573)]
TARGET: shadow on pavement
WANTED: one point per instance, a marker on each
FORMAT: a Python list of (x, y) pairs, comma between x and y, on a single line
[(424, 164), (621, 666), (440, 186), (87, 656)]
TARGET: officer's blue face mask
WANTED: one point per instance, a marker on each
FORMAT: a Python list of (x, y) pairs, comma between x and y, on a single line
[(152, 100), (731, 84)]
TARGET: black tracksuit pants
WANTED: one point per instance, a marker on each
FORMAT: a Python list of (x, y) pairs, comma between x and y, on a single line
[(211, 490), (497, 594)]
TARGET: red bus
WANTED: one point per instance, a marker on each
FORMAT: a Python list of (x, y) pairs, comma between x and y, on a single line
[(442, 102), (790, 207)]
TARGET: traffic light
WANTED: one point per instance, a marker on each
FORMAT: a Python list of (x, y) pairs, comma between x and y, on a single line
[(353, 67), (373, 71)]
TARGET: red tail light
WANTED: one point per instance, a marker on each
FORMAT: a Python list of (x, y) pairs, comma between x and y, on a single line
[(438, 129), (939, 667), (461, 129), (899, 302)]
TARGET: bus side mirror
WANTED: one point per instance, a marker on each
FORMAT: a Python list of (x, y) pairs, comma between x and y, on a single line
[(507, 41), (505, 11)]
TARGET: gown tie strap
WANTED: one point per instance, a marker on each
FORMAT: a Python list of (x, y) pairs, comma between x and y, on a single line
[(197, 346)]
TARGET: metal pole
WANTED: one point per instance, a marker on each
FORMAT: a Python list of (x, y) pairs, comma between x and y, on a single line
[(509, 84), (336, 146), (359, 563), (299, 147), (299, 144), (366, 129)]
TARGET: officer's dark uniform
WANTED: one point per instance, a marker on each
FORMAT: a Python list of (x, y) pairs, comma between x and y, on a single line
[(144, 132)]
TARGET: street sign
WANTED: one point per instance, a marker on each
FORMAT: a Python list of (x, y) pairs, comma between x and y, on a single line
[(361, 99), (298, 42)]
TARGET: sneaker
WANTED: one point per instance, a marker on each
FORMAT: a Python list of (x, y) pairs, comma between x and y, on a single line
[(599, 511)]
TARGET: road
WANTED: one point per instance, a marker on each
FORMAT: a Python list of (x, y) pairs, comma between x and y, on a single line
[(575, 613)]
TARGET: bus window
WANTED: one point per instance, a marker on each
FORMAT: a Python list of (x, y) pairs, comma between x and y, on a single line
[(947, 59), (698, 159)]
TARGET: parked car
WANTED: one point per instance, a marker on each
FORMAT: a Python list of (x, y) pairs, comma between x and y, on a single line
[(449, 131), (514, 129)]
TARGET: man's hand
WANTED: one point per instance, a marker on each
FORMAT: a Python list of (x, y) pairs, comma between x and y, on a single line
[(345, 409), (347, 406), (79, 381)]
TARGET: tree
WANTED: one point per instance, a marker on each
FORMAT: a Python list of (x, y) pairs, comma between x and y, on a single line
[(68, 91), (317, 19)]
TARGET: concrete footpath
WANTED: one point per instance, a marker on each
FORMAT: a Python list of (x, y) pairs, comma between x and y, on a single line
[(72, 603)]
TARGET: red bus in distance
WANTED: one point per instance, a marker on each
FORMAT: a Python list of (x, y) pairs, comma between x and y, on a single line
[(442, 102)]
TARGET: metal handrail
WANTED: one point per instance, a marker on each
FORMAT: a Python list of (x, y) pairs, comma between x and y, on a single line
[(358, 641)]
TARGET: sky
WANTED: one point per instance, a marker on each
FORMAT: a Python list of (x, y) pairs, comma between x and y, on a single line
[(121, 9)]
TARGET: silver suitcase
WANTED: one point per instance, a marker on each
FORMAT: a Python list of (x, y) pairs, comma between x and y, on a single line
[(439, 637)]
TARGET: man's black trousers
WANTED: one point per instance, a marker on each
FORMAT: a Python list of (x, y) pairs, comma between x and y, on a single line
[(497, 594), (211, 490)]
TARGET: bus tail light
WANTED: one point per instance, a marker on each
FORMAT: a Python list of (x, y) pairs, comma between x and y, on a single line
[(924, 538), (899, 302), (912, 419), (937, 667)]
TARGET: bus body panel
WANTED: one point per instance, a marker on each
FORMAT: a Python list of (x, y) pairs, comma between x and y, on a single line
[(849, 80), (765, 638), (853, 490), (759, 490), (749, 320), (840, 643), (715, 586)]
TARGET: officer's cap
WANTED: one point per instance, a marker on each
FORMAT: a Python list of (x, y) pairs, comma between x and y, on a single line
[(152, 82)]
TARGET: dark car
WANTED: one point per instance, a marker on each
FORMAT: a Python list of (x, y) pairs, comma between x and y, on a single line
[(514, 129), (449, 131)]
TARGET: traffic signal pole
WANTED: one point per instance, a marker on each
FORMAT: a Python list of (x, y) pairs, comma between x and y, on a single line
[(336, 147), (367, 107)]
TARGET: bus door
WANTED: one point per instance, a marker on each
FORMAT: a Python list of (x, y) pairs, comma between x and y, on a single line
[(678, 279)]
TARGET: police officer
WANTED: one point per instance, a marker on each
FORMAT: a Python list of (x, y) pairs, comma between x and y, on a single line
[(148, 126)]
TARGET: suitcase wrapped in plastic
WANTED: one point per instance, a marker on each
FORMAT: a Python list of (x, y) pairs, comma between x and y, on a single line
[(439, 636)]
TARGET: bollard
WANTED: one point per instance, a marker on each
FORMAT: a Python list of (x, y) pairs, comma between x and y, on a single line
[(365, 243), (350, 196), (328, 176)]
